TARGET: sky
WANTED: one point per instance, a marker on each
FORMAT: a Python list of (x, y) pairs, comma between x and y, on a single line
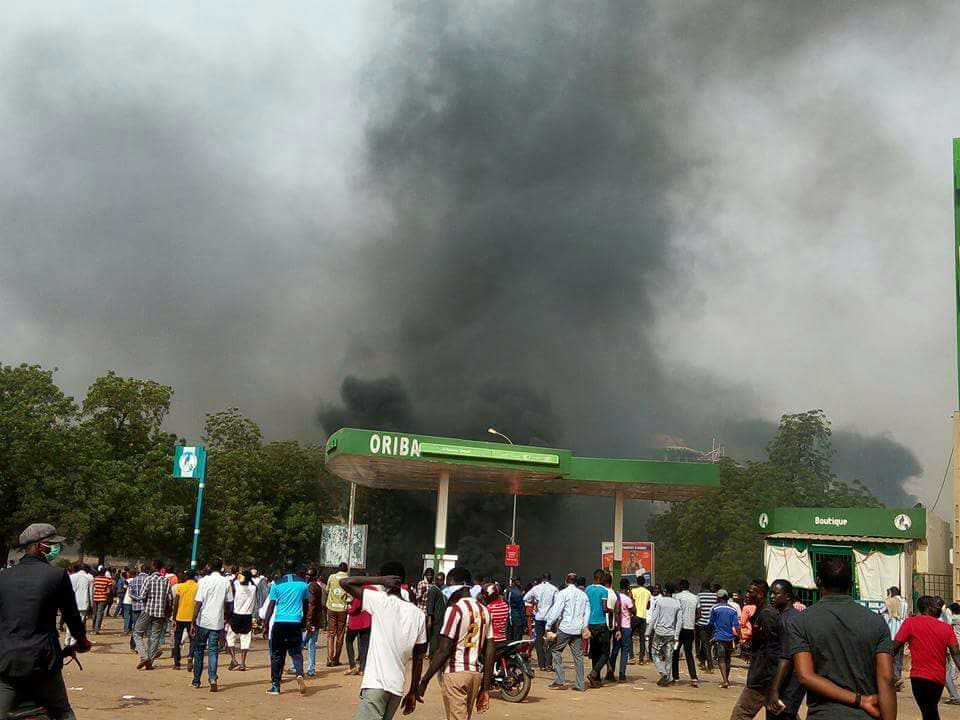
[(588, 224)]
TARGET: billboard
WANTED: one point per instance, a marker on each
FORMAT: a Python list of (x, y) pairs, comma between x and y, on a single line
[(333, 546), (638, 559)]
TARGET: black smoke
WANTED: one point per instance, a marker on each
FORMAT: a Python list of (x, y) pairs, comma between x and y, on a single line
[(529, 155)]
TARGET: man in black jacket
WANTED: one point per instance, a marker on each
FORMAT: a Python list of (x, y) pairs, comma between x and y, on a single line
[(31, 593)]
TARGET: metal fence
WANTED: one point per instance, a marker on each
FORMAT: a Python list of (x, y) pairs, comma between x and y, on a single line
[(930, 584)]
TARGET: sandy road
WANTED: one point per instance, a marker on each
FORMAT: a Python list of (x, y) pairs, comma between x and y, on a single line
[(111, 687)]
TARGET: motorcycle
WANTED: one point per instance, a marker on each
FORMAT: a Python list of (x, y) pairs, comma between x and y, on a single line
[(28, 709), (512, 672)]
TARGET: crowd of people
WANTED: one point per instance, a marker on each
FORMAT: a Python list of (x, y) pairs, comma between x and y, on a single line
[(844, 658)]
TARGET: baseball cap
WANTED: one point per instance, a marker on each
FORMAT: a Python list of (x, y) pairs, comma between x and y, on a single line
[(722, 594), (40, 531)]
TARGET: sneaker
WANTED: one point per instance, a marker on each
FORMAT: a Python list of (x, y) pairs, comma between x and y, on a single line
[(594, 682), (242, 667), (190, 665), (213, 686), (149, 665), (610, 676), (695, 683), (196, 686), (576, 689), (663, 681), (141, 665), (176, 666), (301, 685), (951, 701), (274, 690), (309, 674), (555, 686), (233, 665)]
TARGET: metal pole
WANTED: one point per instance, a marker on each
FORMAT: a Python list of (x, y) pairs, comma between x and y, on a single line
[(956, 416), (353, 500), (513, 533), (196, 525)]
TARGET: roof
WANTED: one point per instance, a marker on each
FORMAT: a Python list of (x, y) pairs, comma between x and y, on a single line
[(413, 462), (859, 539)]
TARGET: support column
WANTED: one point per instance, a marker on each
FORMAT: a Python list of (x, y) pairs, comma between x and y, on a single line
[(617, 539), (956, 505), (440, 534)]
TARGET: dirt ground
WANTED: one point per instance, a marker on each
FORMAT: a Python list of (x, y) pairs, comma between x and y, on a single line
[(109, 686)]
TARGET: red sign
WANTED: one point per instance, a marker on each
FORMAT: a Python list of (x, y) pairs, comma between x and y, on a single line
[(511, 556)]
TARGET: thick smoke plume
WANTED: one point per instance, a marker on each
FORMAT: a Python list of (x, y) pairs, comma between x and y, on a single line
[(530, 157)]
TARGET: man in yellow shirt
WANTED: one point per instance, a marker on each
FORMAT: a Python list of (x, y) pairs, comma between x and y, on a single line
[(184, 599), (641, 601), (336, 615)]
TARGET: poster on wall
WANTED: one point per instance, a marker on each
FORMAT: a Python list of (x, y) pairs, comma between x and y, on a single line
[(638, 559)]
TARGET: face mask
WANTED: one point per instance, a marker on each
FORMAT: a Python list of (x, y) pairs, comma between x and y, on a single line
[(451, 589), (53, 552)]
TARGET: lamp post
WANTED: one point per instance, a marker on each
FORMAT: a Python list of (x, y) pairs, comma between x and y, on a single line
[(513, 527)]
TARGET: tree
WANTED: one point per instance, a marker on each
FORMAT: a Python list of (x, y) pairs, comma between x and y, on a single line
[(712, 536), (265, 501), (36, 423), (120, 497), (127, 413)]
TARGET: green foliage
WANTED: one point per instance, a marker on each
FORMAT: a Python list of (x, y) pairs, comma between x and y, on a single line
[(101, 474), (712, 536), (36, 441), (265, 501)]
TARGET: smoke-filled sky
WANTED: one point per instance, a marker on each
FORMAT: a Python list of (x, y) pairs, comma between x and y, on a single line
[(586, 223)]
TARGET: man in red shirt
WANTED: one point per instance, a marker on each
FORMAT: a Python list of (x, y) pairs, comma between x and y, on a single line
[(929, 640), (499, 611)]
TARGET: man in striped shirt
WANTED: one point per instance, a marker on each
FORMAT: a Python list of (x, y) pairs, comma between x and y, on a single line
[(706, 599), (466, 649), (498, 609), (102, 589)]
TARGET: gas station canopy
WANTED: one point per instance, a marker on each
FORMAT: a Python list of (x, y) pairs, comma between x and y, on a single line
[(402, 461)]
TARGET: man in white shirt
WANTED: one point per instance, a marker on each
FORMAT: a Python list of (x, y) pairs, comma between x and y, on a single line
[(212, 607), (570, 612), (542, 594), (665, 623), (688, 632), (82, 583), (398, 633)]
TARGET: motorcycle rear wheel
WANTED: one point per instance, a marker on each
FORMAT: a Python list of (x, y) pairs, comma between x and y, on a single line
[(518, 689)]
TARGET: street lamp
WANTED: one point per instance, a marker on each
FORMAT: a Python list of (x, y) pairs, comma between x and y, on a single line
[(513, 529)]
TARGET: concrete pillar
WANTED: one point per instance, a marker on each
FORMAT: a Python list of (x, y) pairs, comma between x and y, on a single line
[(617, 538), (440, 535)]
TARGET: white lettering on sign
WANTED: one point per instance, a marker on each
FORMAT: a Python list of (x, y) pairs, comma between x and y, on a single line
[(834, 521), (397, 446)]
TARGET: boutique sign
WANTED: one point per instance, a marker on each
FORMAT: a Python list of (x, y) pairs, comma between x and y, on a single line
[(853, 522)]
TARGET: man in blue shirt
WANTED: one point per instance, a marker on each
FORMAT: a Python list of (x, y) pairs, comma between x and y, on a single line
[(288, 598), (542, 594), (518, 615), (599, 631), (570, 612), (725, 624)]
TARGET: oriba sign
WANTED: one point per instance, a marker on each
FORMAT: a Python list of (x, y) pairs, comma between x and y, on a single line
[(394, 445)]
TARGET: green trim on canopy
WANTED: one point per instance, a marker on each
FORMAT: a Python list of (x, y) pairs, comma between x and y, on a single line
[(413, 462)]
